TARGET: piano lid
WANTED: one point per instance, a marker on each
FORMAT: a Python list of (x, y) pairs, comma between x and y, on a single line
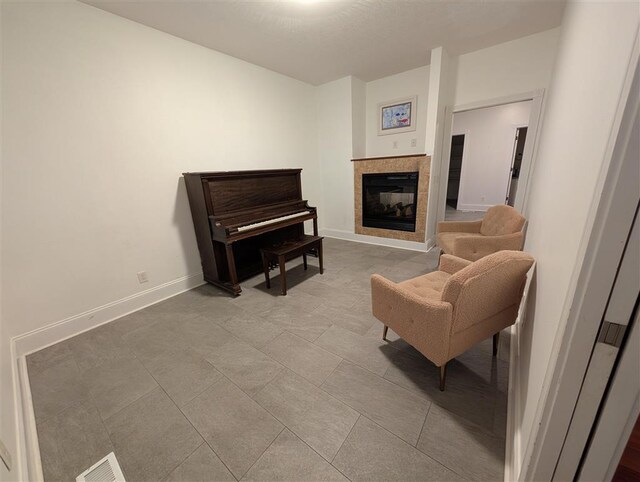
[(231, 191)]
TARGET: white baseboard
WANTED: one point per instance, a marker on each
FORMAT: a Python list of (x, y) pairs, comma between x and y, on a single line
[(473, 207), (74, 325), (362, 238)]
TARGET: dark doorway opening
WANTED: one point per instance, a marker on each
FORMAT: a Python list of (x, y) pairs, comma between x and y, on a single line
[(516, 164), (455, 169)]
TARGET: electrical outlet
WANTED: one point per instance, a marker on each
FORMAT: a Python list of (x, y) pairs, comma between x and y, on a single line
[(5, 455), (395, 144), (142, 277), (414, 142)]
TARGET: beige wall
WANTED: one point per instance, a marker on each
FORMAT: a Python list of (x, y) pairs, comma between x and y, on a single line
[(100, 117), (509, 68), (574, 151)]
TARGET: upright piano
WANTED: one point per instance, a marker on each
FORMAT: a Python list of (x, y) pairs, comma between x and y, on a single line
[(235, 213)]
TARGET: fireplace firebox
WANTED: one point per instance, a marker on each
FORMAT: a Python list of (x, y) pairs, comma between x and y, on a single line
[(389, 200)]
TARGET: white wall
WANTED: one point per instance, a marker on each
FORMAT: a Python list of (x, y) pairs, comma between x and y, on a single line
[(593, 56), (522, 65), (100, 117), (405, 84), (335, 150), (488, 152)]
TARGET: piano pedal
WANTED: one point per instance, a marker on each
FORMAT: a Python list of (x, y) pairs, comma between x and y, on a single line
[(313, 252)]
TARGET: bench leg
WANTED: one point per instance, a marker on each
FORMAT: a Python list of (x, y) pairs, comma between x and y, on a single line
[(304, 260), (283, 275), (320, 256), (265, 267)]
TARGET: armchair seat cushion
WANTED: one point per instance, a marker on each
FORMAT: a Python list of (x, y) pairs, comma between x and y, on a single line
[(446, 240), (427, 286)]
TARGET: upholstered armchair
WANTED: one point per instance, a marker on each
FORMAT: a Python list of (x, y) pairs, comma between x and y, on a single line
[(444, 313), (501, 228)]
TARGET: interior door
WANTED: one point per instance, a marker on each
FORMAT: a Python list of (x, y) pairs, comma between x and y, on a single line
[(616, 324)]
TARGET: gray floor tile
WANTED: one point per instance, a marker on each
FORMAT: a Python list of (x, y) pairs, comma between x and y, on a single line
[(304, 323), (322, 421), (290, 459), (341, 297), (252, 329), (48, 357), (462, 446), (72, 441), (247, 367), (394, 408), (201, 466), (55, 388), (114, 385), (179, 339), (357, 319), (303, 357), (372, 453), (365, 351), (466, 394), (182, 374), (151, 341), (235, 427), (100, 345), (151, 437)]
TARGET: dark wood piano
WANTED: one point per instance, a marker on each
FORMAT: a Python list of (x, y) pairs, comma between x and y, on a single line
[(235, 213)]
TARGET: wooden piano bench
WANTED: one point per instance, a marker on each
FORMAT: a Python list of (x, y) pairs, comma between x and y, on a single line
[(288, 251)]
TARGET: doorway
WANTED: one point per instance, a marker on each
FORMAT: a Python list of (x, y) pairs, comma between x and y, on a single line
[(516, 165), (442, 210), (455, 169), (486, 157)]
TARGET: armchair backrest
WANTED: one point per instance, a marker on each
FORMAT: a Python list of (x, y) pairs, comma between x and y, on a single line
[(501, 219), (486, 287)]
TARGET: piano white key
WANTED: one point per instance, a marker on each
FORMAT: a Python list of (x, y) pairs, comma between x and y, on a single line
[(272, 221)]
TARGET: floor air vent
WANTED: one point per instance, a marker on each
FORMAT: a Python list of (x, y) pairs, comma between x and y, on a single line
[(105, 470)]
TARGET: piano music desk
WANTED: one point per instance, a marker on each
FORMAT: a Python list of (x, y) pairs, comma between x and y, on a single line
[(288, 251)]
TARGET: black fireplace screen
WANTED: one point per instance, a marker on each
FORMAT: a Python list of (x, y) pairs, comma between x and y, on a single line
[(389, 200)]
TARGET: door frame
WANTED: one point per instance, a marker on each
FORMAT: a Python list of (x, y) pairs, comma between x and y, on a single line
[(611, 217), (530, 148)]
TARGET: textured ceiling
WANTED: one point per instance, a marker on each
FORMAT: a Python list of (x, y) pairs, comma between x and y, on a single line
[(320, 40)]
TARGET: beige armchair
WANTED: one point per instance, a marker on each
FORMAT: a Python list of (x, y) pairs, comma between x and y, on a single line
[(444, 313), (501, 228)]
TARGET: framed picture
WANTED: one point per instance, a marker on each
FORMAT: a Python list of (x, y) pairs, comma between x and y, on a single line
[(397, 116)]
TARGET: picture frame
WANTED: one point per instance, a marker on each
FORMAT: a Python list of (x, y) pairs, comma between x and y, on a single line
[(397, 116)]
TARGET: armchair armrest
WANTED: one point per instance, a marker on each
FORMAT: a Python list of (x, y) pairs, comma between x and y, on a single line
[(475, 247), (459, 227), (452, 264), (425, 324)]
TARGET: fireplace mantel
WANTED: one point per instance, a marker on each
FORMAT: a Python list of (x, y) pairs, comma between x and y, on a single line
[(420, 163)]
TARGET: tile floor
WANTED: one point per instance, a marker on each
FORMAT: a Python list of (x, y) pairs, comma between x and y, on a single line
[(452, 214), (204, 386)]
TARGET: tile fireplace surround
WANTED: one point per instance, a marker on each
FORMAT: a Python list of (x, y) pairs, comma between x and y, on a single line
[(377, 165)]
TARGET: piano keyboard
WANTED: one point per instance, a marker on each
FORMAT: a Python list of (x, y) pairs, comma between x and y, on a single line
[(247, 227)]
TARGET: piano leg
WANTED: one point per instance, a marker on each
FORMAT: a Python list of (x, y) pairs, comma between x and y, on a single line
[(304, 260), (320, 255), (265, 267), (231, 264)]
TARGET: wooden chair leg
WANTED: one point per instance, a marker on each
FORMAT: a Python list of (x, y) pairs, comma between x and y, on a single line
[(320, 255), (443, 376), (304, 260), (384, 332), (496, 339)]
